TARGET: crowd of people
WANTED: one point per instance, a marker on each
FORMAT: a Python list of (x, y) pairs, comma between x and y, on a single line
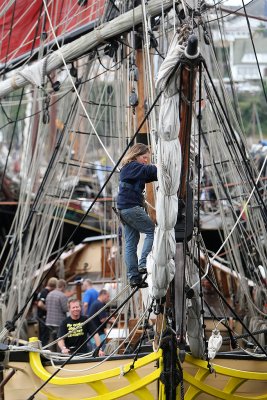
[(59, 315)]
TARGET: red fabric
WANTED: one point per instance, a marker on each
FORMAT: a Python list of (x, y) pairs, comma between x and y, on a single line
[(66, 15)]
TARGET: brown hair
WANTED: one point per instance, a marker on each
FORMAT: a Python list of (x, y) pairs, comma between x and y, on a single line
[(52, 283), (62, 284), (136, 150)]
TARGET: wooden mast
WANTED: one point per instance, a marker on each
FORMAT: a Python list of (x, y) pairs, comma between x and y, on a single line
[(184, 226), (144, 131)]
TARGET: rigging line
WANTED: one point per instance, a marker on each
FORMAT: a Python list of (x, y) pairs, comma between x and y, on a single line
[(28, 33), (221, 123), (111, 9), (241, 213), (94, 103), (104, 72), (83, 166), (87, 339), (240, 226), (127, 339), (237, 12), (6, 7), (215, 59), (25, 228), (227, 60), (254, 183), (75, 89), (245, 335), (215, 256), (236, 316), (107, 136), (89, 319), (149, 308), (149, 76), (157, 51), (228, 10), (255, 53), (111, 69), (50, 105), (20, 99), (7, 117), (199, 171), (10, 32), (37, 112), (16, 317), (11, 142), (217, 4)]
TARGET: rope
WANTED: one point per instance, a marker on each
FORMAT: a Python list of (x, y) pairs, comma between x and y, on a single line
[(22, 310), (77, 350), (90, 318), (74, 86)]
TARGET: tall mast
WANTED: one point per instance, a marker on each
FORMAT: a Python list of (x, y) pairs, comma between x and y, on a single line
[(144, 131), (185, 221)]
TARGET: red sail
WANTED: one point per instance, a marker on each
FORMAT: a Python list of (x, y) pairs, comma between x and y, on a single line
[(22, 23)]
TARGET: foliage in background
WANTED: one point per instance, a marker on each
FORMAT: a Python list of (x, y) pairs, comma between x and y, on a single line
[(250, 104)]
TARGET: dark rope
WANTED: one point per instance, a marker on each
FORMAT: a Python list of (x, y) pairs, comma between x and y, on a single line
[(254, 50), (235, 314), (141, 338), (238, 146), (86, 213), (84, 342)]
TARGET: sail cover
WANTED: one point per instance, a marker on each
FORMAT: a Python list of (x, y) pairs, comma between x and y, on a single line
[(24, 24), (161, 266)]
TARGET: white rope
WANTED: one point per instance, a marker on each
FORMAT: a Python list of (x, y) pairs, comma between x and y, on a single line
[(149, 76), (89, 319), (5, 6), (18, 22), (74, 87), (243, 209), (141, 318), (91, 40), (70, 16)]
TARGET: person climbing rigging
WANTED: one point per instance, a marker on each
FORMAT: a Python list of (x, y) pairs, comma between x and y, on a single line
[(135, 173)]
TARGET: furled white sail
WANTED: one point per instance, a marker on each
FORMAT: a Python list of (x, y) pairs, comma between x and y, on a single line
[(161, 266)]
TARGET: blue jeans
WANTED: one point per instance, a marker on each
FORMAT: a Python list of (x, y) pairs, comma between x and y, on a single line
[(136, 221), (93, 343)]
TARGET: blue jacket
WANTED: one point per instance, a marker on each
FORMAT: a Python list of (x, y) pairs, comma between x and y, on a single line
[(133, 177)]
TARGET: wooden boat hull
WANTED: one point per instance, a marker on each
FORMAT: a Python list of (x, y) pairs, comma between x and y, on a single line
[(234, 377)]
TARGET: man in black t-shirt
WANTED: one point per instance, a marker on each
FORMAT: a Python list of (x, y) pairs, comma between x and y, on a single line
[(77, 333)]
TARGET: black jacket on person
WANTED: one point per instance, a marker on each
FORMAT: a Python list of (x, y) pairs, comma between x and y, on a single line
[(96, 321), (133, 177)]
